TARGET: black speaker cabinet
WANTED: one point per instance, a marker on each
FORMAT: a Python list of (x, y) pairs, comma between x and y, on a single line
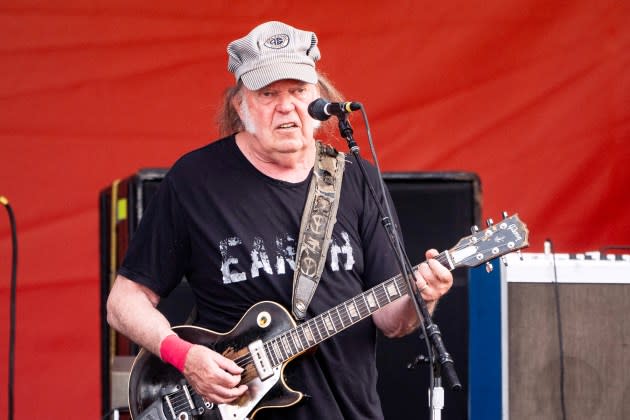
[(435, 209), (121, 207)]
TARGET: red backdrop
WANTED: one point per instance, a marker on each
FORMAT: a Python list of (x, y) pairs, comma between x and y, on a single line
[(532, 95)]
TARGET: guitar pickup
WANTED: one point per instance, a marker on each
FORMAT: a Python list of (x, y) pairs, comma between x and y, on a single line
[(261, 361)]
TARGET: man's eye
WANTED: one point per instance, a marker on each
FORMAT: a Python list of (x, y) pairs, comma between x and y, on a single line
[(299, 92)]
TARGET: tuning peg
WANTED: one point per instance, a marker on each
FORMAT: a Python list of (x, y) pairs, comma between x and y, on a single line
[(520, 255), (474, 229), (504, 260), (489, 267), (504, 214), (489, 222)]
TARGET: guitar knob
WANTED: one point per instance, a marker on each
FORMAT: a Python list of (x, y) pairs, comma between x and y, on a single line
[(489, 222), (474, 229), (504, 214)]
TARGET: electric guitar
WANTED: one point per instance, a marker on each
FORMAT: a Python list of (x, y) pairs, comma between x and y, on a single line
[(266, 338)]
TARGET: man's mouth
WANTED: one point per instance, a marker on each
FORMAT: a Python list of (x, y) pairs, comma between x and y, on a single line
[(287, 125)]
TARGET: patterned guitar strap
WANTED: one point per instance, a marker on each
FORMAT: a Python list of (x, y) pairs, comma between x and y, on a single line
[(318, 220)]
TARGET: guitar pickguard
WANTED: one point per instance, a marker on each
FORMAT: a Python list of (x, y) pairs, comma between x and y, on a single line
[(256, 391)]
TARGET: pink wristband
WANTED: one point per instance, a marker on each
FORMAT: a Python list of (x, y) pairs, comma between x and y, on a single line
[(174, 350)]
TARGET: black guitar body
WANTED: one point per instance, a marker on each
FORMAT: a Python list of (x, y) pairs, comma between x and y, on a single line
[(151, 380)]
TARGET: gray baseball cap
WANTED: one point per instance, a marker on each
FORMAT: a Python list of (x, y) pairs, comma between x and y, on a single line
[(273, 51)]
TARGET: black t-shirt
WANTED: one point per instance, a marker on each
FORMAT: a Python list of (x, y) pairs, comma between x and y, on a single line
[(232, 232)]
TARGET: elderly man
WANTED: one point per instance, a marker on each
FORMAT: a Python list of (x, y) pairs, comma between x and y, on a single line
[(227, 217)]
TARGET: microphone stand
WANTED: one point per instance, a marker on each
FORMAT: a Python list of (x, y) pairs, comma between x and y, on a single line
[(440, 359)]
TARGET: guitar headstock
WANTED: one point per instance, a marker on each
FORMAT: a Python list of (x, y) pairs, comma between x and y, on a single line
[(508, 235)]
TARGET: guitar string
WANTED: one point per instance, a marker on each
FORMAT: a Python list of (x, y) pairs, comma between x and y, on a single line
[(340, 321), (382, 298), (381, 295), (321, 324), (179, 401)]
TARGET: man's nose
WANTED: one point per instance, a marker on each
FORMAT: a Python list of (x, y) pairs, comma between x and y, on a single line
[(285, 102)]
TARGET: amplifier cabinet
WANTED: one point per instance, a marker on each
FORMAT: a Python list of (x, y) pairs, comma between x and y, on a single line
[(516, 313)]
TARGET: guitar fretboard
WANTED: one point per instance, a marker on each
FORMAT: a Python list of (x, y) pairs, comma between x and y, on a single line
[(312, 332)]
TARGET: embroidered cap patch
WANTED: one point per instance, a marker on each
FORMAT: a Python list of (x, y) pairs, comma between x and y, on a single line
[(277, 41)]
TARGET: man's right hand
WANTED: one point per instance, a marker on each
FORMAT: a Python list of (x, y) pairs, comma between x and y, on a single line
[(213, 376)]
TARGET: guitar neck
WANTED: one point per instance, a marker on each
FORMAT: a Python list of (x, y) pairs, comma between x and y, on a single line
[(320, 328)]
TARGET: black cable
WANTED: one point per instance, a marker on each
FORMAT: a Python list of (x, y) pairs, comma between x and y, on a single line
[(556, 289), (423, 332), (5, 203), (405, 270)]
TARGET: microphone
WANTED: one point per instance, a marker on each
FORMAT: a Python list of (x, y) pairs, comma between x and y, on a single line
[(320, 109)]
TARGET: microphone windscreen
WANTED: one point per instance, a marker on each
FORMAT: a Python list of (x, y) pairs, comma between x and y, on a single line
[(317, 109)]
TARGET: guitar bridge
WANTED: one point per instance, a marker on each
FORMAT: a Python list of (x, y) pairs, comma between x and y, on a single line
[(261, 361)]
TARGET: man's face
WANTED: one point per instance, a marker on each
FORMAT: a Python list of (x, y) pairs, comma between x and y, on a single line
[(277, 116)]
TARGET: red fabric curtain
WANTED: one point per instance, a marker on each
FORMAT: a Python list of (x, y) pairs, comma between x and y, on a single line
[(532, 95)]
